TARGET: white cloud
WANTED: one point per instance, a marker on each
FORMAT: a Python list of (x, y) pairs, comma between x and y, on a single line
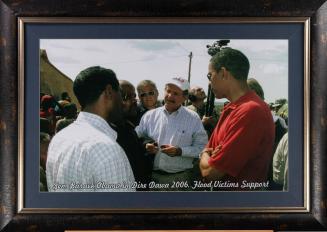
[(154, 45), (160, 60), (271, 68)]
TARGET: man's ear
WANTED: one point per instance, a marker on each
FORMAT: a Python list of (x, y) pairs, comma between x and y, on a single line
[(225, 73), (108, 91)]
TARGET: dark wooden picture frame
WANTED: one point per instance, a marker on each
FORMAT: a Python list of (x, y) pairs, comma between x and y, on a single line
[(315, 219)]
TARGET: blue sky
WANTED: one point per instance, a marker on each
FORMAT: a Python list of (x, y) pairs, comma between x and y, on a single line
[(161, 60)]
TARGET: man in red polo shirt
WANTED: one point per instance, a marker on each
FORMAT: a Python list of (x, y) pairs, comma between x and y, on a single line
[(239, 152)]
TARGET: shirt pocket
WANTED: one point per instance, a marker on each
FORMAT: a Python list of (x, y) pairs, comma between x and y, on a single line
[(181, 138)]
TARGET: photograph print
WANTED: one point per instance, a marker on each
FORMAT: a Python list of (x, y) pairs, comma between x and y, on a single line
[(129, 115)]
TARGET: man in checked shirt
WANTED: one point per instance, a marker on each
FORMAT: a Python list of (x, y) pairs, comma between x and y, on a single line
[(85, 157), (178, 136)]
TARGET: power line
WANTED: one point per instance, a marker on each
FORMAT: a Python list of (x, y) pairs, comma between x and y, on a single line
[(179, 44), (142, 60)]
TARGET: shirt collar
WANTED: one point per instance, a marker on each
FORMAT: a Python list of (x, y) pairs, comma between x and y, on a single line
[(97, 122), (240, 101), (175, 112)]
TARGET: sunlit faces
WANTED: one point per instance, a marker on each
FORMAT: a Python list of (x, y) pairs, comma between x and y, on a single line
[(148, 96), (199, 93), (217, 82), (174, 97)]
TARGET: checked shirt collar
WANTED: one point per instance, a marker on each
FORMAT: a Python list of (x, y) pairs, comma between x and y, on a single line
[(97, 122)]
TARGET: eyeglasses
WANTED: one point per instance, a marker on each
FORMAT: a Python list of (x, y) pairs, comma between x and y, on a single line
[(129, 97), (209, 75), (151, 93)]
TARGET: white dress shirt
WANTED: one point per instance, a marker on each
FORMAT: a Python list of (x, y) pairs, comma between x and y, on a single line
[(182, 128), (85, 157)]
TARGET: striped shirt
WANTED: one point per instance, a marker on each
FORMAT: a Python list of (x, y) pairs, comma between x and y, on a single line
[(182, 128), (85, 157)]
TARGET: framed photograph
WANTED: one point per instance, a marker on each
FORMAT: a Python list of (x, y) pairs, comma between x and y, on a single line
[(285, 55)]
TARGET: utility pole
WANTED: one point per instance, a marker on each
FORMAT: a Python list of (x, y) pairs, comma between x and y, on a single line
[(189, 67), (189, 72)]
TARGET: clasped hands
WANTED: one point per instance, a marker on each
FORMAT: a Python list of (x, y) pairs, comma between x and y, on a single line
[(207, 120), (210, 152), (168, 149)]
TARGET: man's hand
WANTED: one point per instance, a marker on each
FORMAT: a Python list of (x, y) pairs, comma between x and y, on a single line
[(151, 148), (207, 150), (207, 120), (211, 152), (171, 150), (209, 173), (215, 152)]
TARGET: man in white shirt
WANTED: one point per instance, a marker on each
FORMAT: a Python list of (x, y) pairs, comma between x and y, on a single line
[(280, 163), (85, 157), (179, 138)]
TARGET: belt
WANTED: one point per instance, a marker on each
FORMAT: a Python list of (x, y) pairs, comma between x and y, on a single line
[(161, 172)]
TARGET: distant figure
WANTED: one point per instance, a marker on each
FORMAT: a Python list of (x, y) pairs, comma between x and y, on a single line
[(65, 97), (280, 127), (69, 112), (44, 144), (280, 124), (148, 94), (197, 97), (178, 137), (240, 148), (256, 87), (280, 164), (41, 95), (278, 104), (65, 100), (45, 125), (85, 155), (47, 111)]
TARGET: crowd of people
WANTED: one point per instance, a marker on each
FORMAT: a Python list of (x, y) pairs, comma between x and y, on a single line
[(117, 143)]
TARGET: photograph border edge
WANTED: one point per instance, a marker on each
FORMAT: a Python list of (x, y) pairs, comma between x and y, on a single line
[(222, 20)]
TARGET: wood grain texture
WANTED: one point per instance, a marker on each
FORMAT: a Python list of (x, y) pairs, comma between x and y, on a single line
[(319, 114), (8, 114), (10, 10), (164, 8)]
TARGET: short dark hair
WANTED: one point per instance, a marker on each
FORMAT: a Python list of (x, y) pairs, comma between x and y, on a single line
[(234, 61), (69, 110), (125, 83), (64, 95), (256, 87), (91, 82)]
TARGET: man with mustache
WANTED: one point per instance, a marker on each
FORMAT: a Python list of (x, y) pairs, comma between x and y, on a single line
[(241, 146), (179, 137), (85, 156)]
